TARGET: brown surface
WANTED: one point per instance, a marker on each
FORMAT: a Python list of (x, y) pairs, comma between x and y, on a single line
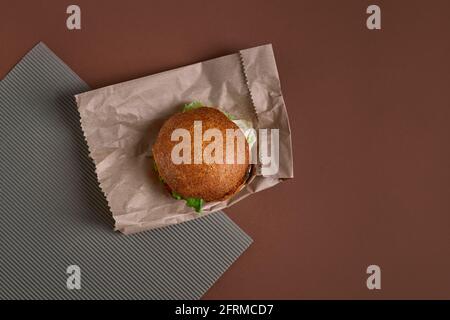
[(370, 115)]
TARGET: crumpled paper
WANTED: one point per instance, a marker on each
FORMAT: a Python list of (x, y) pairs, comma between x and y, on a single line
[(121, 122)]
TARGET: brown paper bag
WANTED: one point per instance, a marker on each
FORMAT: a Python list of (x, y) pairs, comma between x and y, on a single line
[(121, 122)]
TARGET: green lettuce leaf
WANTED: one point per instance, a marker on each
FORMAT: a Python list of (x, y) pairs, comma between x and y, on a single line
[(195, 203), (176, 195), (192, 105), (229, 115)]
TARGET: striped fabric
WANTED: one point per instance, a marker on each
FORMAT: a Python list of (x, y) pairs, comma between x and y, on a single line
[(53, 214)]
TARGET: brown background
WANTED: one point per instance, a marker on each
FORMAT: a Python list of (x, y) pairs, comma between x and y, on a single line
[(370, 117)]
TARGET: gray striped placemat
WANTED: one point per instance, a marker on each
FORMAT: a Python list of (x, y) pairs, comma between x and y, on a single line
[(53, 213)]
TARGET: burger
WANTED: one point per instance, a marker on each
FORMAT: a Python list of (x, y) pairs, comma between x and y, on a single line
[(213, 168)]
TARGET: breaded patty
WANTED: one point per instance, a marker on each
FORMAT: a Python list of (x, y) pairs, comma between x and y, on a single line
[(210, 182)]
